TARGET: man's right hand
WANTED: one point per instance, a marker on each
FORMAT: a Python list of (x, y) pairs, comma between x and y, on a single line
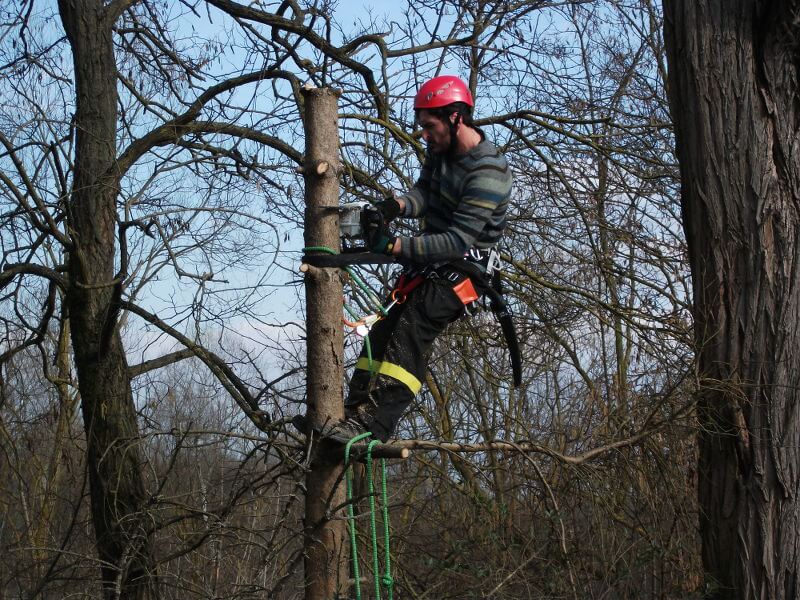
[(390, 208)]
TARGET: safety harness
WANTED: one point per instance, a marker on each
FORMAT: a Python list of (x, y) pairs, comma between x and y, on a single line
[(493, 290), (473, 276), (476, 275)]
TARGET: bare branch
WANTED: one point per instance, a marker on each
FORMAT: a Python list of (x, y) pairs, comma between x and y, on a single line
[(235, 386)]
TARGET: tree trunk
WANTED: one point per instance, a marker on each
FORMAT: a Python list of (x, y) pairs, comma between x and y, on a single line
[(325, 555), (733, 89), (114, 460)]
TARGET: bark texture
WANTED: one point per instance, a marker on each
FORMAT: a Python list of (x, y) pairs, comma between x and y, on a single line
[(114, 460), (733, 90), (325, 555)]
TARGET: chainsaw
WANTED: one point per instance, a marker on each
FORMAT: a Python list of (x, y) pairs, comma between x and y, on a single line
[(354, 219)]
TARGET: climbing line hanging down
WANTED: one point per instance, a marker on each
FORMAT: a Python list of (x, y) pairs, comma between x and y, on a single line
[(386, 579)]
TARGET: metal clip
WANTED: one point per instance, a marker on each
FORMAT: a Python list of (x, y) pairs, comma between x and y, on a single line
[(366, 324)]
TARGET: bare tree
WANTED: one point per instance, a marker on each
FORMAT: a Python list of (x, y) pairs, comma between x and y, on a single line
[(733, 91), (72, 226)]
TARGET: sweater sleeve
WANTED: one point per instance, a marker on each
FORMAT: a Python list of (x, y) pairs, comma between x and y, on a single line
[(484, 194)]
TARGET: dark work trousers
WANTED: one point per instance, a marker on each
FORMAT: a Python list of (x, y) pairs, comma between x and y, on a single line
[(401, 346)]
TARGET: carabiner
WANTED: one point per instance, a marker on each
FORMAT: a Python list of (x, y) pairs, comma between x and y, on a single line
[(398, 297)]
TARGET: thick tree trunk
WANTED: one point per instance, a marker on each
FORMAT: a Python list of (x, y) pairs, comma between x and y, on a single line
[(114, 460), (733, 89), (325, 555)]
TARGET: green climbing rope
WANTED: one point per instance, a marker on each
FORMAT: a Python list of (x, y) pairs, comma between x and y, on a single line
[(386, 579), (351, 517)]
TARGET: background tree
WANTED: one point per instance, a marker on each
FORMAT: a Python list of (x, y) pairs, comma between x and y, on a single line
[(733, 90), (73, 226)]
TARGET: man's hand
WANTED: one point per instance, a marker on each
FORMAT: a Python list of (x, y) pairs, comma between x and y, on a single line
[(389, 208), (376, 230)]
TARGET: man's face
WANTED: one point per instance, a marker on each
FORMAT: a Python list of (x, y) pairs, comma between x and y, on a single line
[(435, 132)]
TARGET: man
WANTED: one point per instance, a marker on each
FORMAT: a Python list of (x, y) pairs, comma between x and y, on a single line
[(463, 193)]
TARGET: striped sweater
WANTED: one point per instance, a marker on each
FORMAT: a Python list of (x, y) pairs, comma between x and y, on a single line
[(463, 201)]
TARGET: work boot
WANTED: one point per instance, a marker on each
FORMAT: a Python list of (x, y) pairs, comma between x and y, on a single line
[(340, 432), (344, 431), (363, 412)]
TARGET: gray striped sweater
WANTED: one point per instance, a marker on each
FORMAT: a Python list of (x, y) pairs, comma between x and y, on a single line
[(463, 201)]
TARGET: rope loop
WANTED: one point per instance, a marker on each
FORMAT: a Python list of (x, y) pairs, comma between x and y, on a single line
[(351, 517)]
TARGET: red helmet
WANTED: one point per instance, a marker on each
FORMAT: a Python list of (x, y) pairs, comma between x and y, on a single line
[(441, 91)]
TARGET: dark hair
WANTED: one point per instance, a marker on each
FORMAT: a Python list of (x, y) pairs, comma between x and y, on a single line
[(463, 109)]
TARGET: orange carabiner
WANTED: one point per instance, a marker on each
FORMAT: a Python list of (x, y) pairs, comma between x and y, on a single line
[(398, 297)]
